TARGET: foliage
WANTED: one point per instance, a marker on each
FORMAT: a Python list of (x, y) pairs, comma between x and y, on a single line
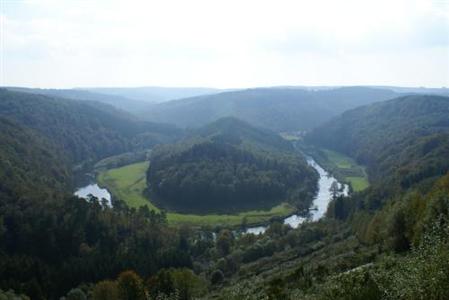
[(229, 166), (30, 165), (105, 290), (279, 109), (423, 274), (130, 286), (82, 130), (405, 139), (10, 295), (128, 183)]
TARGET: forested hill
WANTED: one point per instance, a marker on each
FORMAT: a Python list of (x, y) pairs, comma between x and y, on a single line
[(230, 129), (279, 109), (154, 94), (130, 105), (83, 130), (407, 137), (390, 241), (50, 241), (30, 166), (229, 166)]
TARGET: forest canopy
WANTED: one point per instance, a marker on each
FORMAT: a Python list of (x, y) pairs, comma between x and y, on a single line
[(228, 166)]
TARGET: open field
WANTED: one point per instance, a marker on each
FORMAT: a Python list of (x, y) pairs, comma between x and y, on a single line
[(347, 169), (340, 160), (129, 182), (358, 183), (290, 136), (341, 166)]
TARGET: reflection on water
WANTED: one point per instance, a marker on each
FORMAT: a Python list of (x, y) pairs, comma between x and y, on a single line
[(320, 202), (94, 190)]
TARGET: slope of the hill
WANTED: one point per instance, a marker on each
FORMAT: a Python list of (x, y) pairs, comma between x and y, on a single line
[(127, 104), (279, 109), (82, 129), (229, 166), (154, 94), (407, 137), (30, 166)]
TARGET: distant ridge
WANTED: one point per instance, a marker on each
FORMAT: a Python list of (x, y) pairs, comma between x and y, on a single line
[(279, 109)]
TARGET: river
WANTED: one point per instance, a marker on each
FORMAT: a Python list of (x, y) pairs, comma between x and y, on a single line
[(94, 190), (320, 202), (318, 209)]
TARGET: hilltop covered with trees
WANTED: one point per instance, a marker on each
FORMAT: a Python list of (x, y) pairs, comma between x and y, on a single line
[(405, 138), (229, 166), (83, 130), (390, 241), (278, 109)]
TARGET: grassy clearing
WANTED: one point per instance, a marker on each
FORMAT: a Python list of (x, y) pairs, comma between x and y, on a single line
[(358, 183), (290, 136), (340, 160), (344, 168), (129, 182), (347, 169)]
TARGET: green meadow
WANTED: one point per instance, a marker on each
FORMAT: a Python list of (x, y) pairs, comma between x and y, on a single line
[(347, 169), (128, 183)]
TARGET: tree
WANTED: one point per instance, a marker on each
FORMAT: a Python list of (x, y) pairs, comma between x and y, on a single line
[(224, 242), (339, 208), (76, 294), (216, 277), (334, 189), (187, 283), (105, 290), (161, 284), (397, 231), (130, 286)]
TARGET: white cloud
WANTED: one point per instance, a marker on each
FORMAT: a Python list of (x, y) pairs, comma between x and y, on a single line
[(224, 43)]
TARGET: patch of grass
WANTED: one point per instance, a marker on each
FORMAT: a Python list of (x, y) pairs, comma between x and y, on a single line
[(344, 168), (347, 170), (290, 136), (340, 160), (358, 183), (252, 217), (129, 182)]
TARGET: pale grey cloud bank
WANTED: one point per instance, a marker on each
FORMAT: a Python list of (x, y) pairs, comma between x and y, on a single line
[(224, 43)]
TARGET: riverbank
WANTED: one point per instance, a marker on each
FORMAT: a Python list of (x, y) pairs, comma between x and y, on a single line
[(319, 204), (342, 167), (128, 183)]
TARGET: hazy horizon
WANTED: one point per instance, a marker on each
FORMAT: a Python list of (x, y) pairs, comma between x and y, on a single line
[(299, 86), (66, 44)]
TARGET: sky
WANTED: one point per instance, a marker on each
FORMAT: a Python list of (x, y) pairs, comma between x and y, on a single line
[(223, 44)]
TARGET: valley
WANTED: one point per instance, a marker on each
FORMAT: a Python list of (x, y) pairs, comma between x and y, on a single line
[(224, 150), (341, 166), (128, 183), (225, 210)]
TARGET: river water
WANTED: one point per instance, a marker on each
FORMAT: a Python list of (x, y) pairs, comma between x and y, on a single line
[(318, 209), (94, 190), (320, 202)]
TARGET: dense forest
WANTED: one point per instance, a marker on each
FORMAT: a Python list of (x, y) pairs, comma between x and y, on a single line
[(390, 241), (407, 137), (28, 162), (278, 109), (130, 105), (84, 130), (229, 166), (133, 100), (49, 240)]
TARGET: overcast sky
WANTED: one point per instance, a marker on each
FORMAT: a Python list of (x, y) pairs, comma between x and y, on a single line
[(227, 43)]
